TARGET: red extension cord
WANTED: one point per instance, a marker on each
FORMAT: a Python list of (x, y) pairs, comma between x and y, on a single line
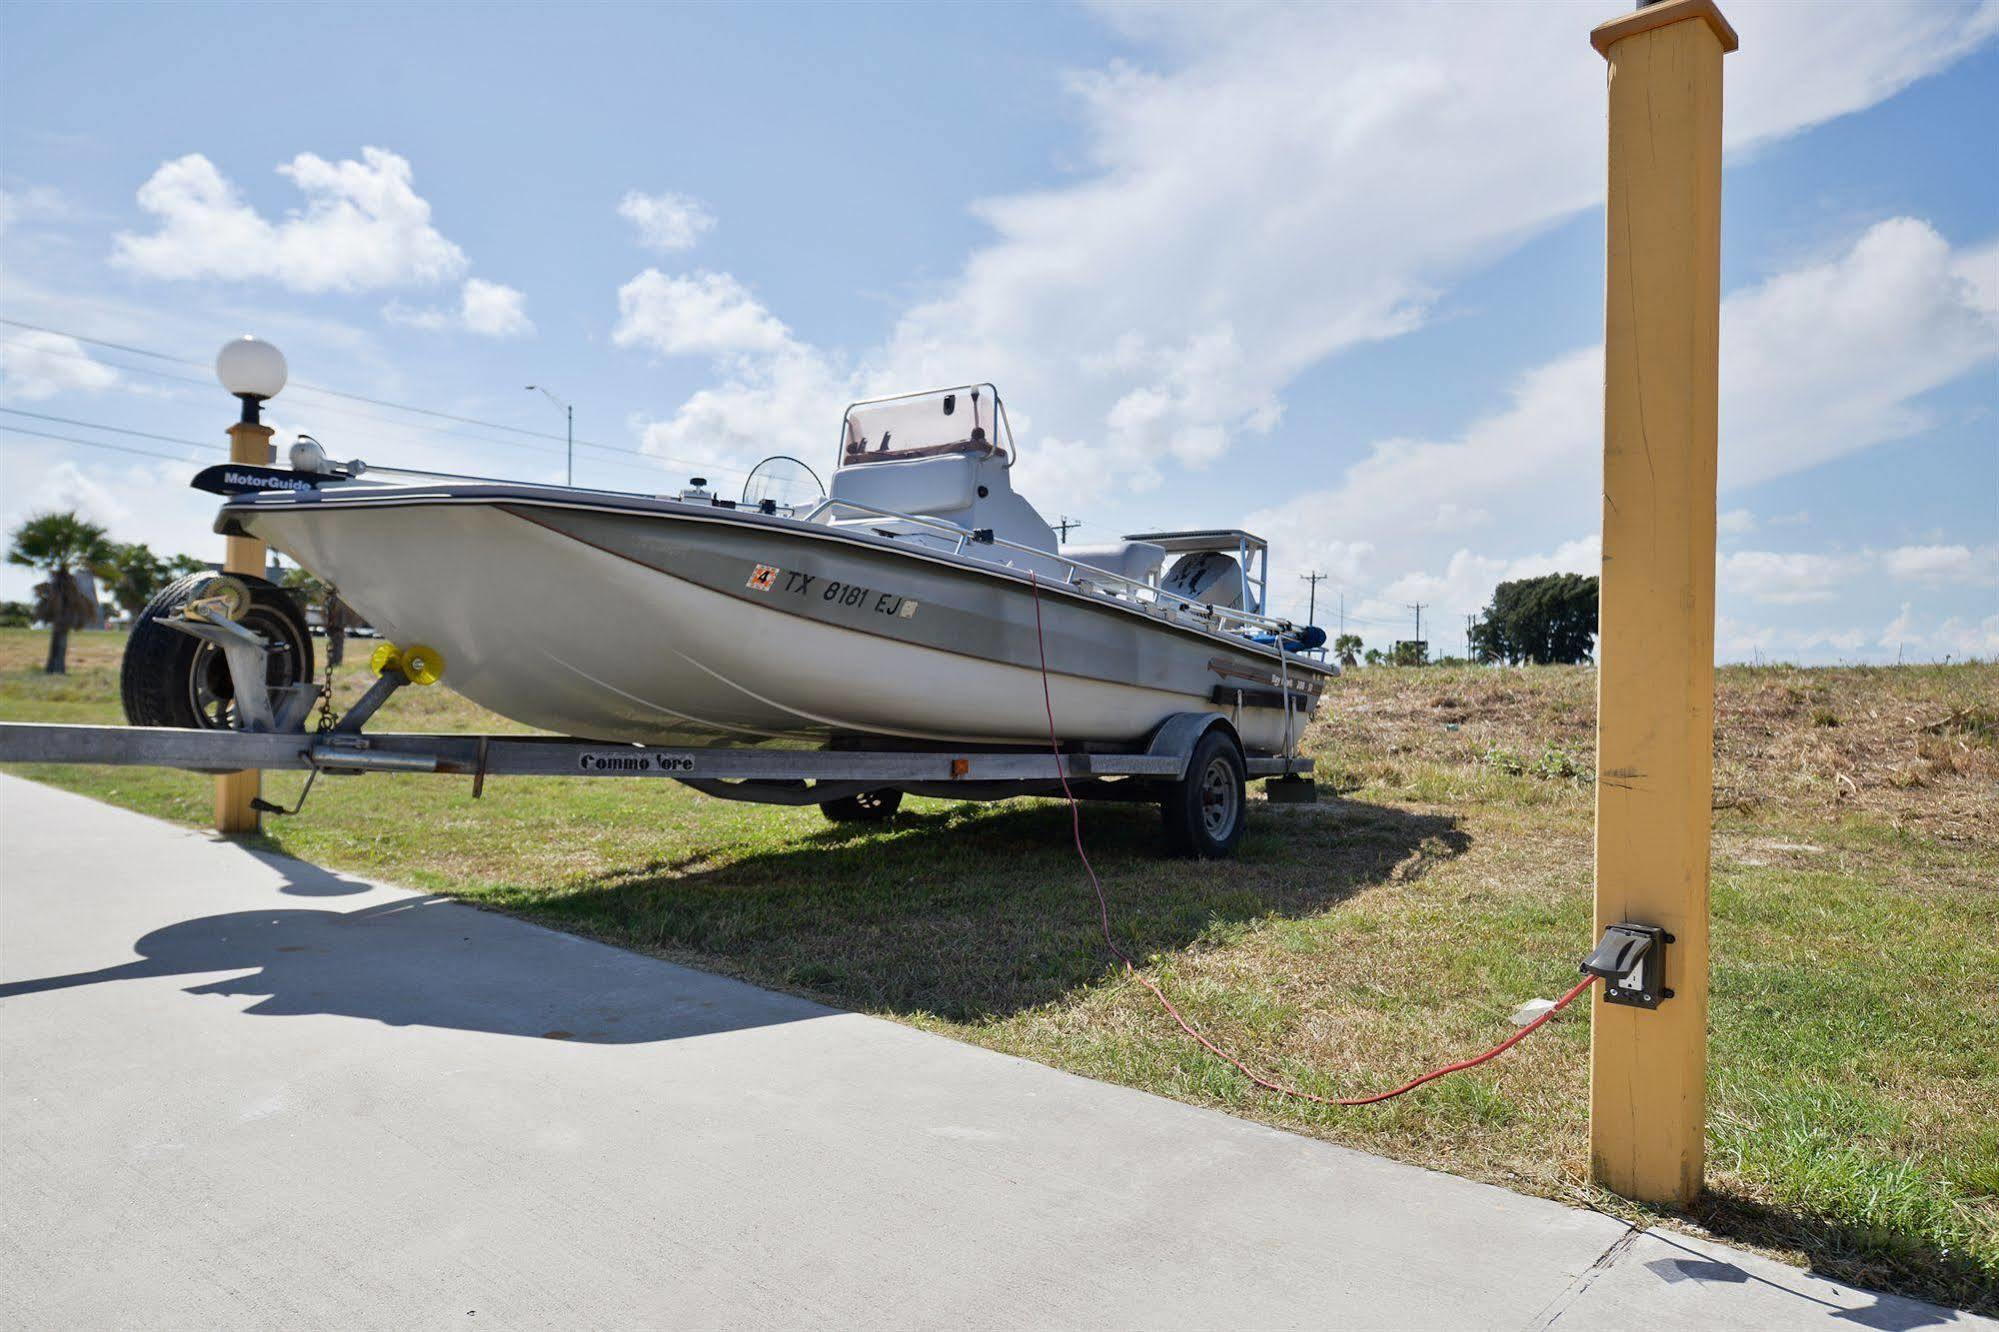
[(1104, 917)]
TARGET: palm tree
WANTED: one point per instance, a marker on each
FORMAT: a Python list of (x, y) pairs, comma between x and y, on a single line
[(61, 545), (1347, 646)]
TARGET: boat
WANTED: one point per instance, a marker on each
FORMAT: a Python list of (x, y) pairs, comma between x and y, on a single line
[(919, 600)]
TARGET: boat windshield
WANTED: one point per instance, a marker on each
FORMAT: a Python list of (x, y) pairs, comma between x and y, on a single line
[(967, 420)]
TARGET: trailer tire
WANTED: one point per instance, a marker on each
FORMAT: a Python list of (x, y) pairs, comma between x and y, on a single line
[(174, 679), (1203, 813), (864, 807)]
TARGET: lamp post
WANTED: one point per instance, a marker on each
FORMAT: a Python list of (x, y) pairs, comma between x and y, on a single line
[(254, 371), (569, 417)]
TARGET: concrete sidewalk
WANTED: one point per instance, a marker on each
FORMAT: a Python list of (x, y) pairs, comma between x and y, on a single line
[(241, 1091)]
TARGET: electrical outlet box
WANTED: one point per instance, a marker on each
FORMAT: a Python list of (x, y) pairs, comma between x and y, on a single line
[(1632, 961)]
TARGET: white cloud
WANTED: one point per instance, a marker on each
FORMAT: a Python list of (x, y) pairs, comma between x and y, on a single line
[(1801, 383), (1788, 578), (1287, 182), (774, 393), (36, 365), (490, 309), (1469, 578), (1736, 641), (788, 402), (493, 309), (1953, 635), (66, 487), (1279, 183), (1941, 564), (1735, 522), (364, 227), (1831, 358), (1898, 629), (666, 221), (705, 314), (1961, 637), (30, 203)]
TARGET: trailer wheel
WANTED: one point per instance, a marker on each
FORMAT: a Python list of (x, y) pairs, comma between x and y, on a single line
[(865, 807), (174, 679), (1203, 812)]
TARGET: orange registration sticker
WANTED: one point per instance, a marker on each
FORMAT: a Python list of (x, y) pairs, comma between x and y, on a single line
[(762, 578)]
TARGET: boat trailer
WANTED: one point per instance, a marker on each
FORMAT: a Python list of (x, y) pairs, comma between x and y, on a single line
[(1192, 766)]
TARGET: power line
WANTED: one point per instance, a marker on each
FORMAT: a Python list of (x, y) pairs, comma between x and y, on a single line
[(121, 430), (95, 443), (658, 459), (378, 420)]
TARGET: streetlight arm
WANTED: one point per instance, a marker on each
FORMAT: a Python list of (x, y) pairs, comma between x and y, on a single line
[(569, 417)]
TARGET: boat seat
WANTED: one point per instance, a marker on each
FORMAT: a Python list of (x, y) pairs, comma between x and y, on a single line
[(1136, 560), (919, 485)]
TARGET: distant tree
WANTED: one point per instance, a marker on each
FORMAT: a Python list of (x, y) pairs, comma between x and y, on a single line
[(137, 573), (1374, 657), (61, 545), (180, 565), (1542, 620), (1347, 648), (1410, 652), (16, 615)]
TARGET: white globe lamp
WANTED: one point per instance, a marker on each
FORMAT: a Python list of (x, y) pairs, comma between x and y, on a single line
[(253, 370)]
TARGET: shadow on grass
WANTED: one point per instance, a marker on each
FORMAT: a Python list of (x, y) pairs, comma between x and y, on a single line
[(1872, 1257), (972, 912)]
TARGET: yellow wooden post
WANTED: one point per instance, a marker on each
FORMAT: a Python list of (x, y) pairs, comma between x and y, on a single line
[(1655, 703), (242, 555)]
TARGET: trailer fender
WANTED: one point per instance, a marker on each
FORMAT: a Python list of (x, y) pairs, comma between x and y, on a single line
[(1178, 734)]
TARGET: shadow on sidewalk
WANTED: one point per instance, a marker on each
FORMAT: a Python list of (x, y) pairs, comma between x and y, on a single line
[(430, 962)]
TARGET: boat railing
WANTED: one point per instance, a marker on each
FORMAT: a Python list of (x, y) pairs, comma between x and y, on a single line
[(1147, 596)]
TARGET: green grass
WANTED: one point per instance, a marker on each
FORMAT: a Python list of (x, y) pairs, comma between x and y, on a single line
[(1855, 1081)]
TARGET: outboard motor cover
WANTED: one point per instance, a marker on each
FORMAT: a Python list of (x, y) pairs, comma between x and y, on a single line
[(1206, 576)]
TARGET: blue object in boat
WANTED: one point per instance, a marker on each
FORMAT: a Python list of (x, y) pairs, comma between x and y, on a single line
[(1311, 636)]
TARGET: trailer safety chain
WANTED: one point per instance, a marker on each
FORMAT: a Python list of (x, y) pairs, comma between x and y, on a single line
[(1131, 968)]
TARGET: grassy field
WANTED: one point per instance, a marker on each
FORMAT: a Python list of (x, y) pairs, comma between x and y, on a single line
[(1855, 1071)]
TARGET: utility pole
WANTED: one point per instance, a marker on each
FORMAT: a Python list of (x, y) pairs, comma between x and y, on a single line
[(1468, 624), (1065, 524), (1655, 684), (1312, 597), (1417, 606)]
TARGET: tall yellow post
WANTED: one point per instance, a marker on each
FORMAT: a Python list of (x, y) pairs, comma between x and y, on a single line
[(234, 791), (1655, 707)]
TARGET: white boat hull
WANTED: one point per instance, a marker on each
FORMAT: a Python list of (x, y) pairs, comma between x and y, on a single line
[(555, 632)]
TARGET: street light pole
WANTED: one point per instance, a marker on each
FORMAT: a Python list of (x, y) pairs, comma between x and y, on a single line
[(569, 417)]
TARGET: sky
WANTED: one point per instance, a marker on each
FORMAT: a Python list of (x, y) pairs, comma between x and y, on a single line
[(1333, 273)]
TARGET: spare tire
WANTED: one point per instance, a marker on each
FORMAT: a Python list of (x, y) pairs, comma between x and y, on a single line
[(171, 678)]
